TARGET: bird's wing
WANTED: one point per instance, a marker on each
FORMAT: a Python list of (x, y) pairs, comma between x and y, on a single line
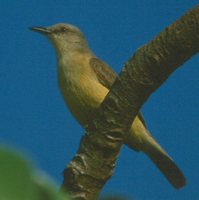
[(106, 76)]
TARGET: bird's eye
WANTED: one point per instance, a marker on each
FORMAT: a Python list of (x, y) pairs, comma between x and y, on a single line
[(64, 29)]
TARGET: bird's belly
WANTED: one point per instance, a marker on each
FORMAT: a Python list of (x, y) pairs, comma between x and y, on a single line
[(82, 97)]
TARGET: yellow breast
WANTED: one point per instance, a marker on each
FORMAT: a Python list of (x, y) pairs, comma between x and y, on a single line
[(80, 88)]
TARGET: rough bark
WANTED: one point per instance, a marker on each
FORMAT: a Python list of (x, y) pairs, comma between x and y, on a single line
[(145, 71)]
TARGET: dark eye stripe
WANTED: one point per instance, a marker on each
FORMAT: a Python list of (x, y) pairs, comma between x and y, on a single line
[(63, 29)]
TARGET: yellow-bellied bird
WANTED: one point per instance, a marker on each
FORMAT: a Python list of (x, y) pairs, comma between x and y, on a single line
[(85, 80)]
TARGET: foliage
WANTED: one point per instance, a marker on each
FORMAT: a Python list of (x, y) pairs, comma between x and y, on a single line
[(19, 181)]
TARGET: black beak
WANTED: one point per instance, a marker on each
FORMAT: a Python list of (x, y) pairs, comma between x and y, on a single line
[(42, 30)]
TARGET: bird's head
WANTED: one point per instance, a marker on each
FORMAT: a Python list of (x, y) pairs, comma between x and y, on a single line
[(64, 37)]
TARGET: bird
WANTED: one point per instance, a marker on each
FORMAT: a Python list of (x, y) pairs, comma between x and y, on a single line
[(84, 81)]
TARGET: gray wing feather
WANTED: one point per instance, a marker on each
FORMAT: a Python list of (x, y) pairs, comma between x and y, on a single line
[(105, 75)]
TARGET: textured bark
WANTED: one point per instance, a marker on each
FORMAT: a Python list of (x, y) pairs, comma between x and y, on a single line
[(148, 68)]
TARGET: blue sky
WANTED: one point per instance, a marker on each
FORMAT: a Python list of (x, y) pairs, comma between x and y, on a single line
[(34, 119)]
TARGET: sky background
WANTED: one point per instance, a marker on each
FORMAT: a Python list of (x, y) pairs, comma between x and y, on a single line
[(34, 118)]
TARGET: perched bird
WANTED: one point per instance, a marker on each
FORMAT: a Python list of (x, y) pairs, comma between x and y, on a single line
[(85, 80)]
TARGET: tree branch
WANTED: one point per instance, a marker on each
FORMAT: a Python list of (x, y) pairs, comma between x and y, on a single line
[(148, 68)]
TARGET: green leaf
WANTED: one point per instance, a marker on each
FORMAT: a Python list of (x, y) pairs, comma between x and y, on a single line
[(18, 180), (15, 177)]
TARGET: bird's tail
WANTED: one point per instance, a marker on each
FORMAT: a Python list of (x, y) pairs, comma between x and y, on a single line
[(141, 140), (164, 163)]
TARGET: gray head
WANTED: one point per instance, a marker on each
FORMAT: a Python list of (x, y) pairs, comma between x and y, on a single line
[(64, 37)]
